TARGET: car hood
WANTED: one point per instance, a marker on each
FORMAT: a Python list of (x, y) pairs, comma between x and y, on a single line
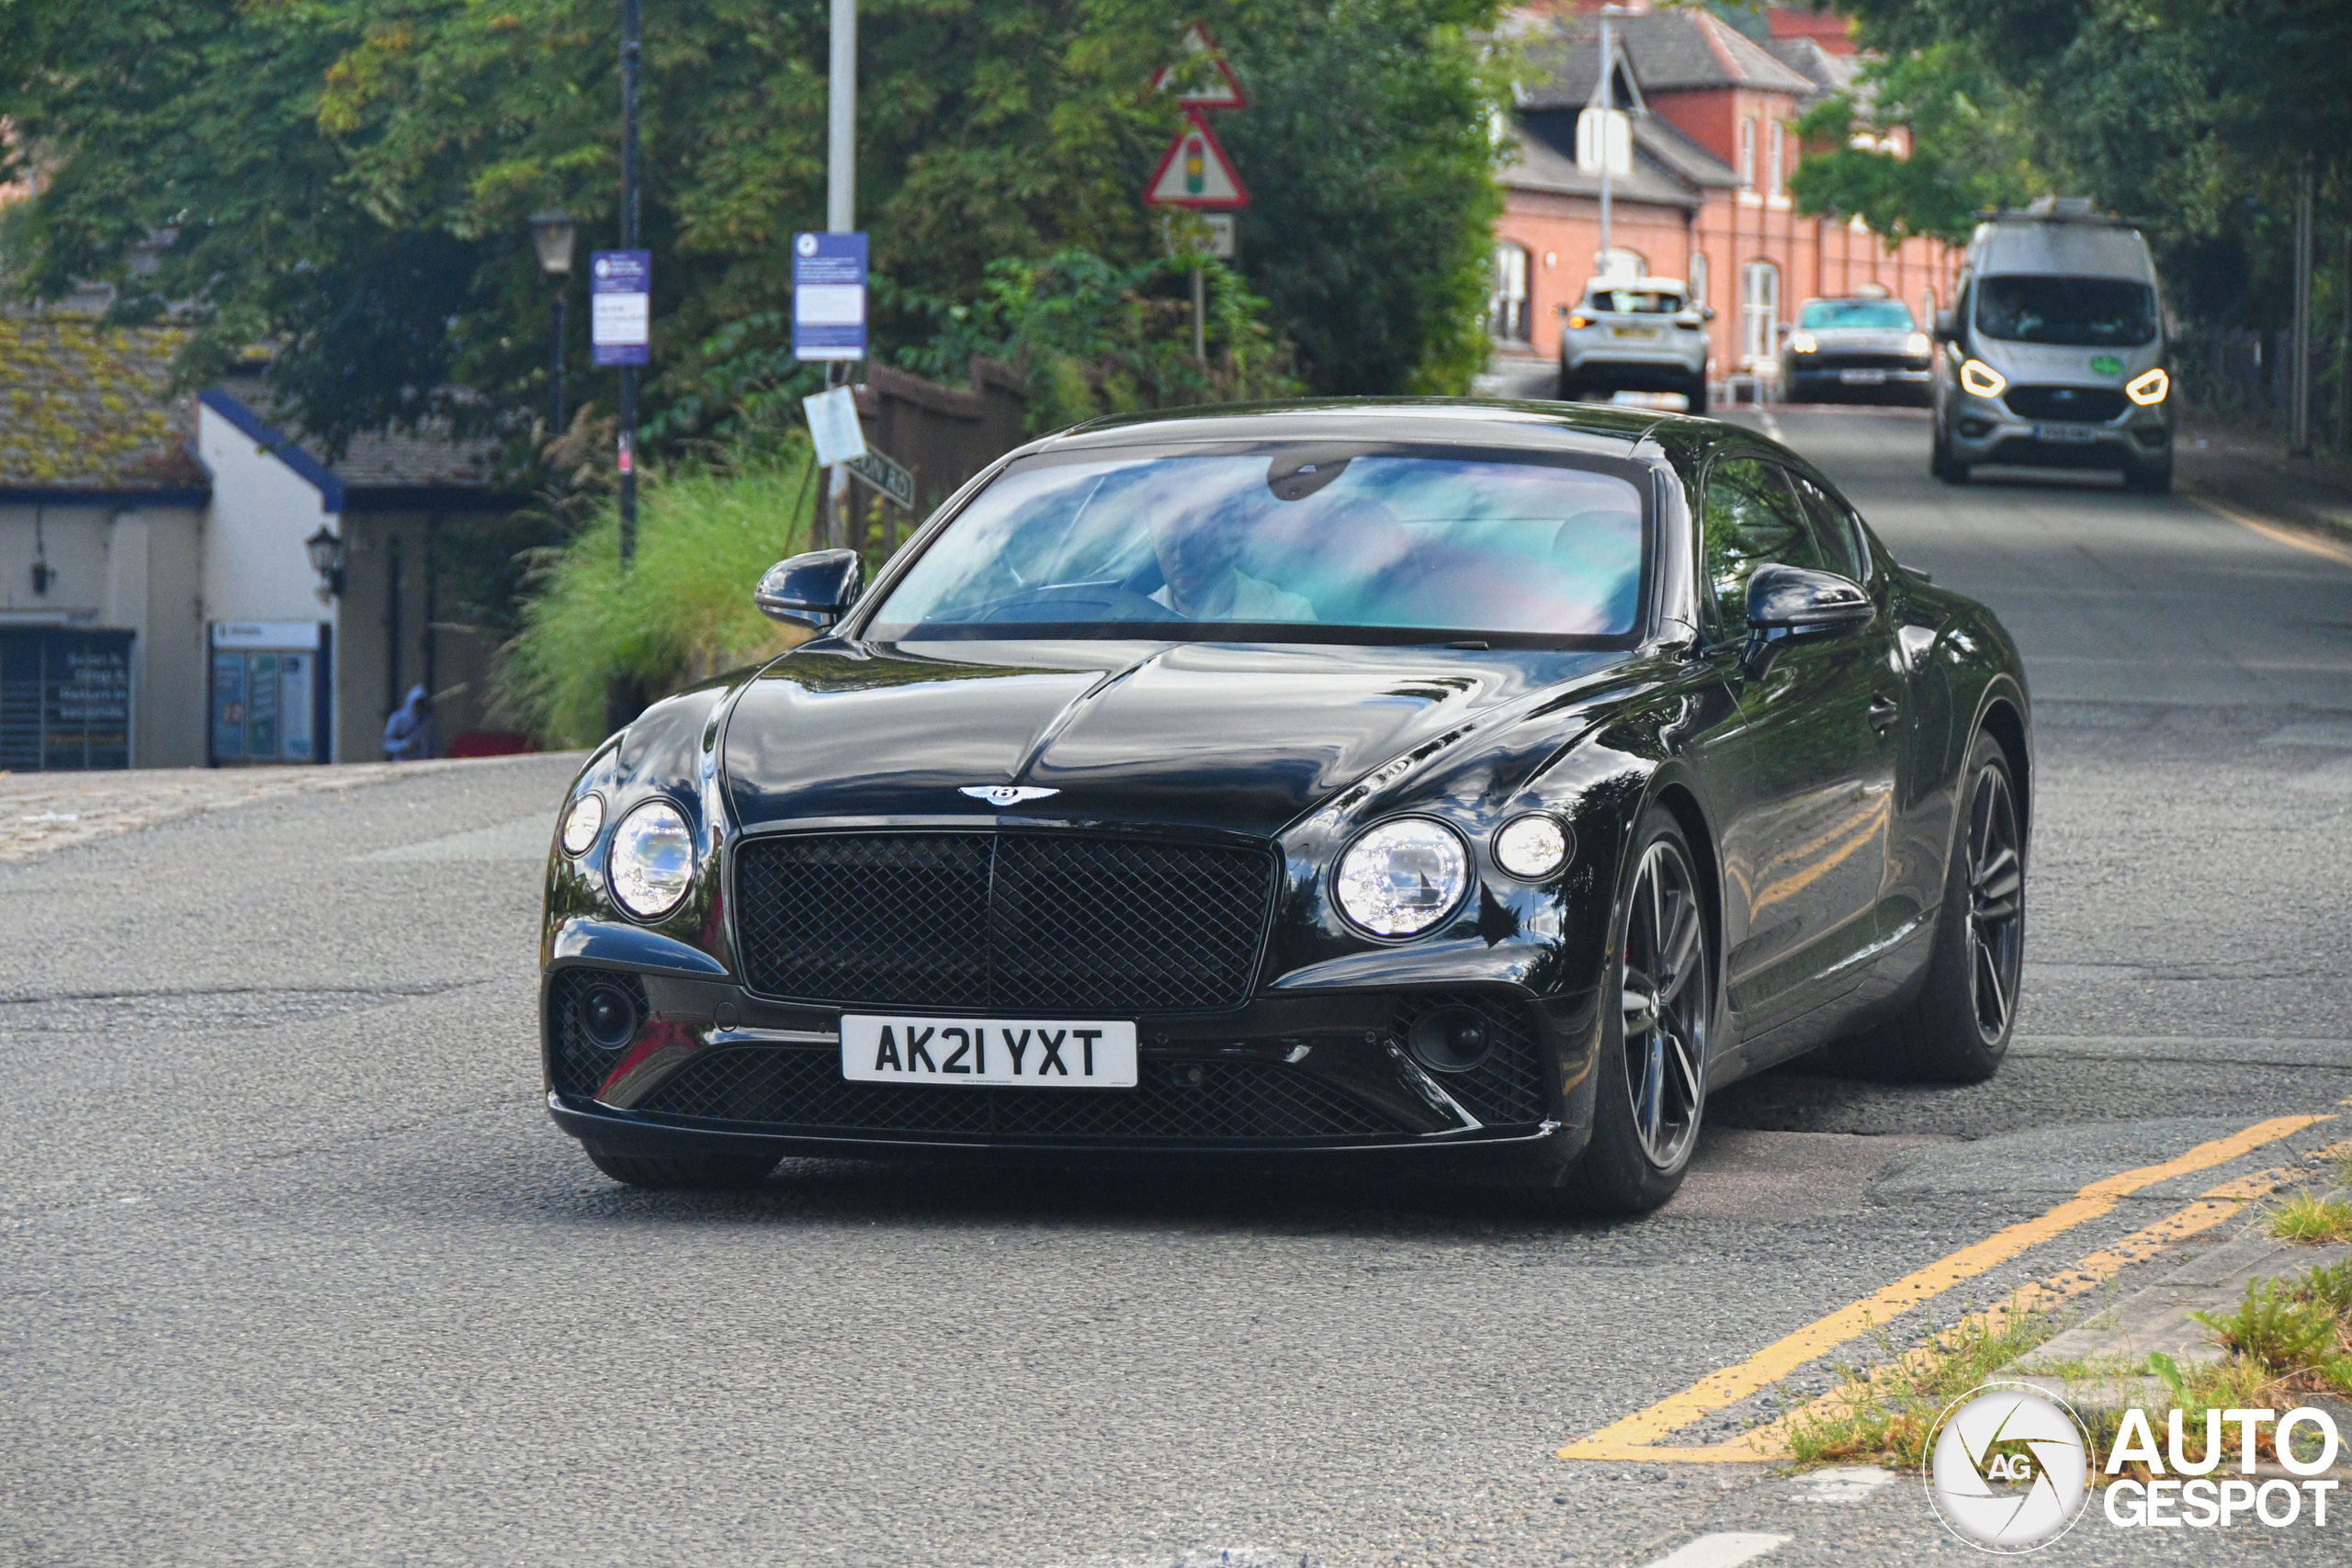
[(1241, 737)]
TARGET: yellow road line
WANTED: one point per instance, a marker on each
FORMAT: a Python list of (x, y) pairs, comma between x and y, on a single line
[(2296, 538), (1784, 1356)]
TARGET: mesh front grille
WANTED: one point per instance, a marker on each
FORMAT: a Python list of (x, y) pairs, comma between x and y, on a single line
[(1507, 1089), (2081, 405), (576, 1065), (1029, 922), (1232, 1103)]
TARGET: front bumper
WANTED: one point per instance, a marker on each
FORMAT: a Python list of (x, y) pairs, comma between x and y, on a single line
[(1985, 430), (1817, 377), (1286, 1077)]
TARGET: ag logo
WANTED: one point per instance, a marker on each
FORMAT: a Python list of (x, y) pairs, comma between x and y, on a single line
[(2008, 1468)]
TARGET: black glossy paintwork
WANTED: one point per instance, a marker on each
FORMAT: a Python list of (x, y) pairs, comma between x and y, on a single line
[(1822, 835)]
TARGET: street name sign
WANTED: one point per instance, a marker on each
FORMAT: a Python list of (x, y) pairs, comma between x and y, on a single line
[(829, 296), (620, 306), (1196, 173), (880, 473)]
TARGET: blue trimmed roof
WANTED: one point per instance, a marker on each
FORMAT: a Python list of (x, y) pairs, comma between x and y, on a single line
[(315, 473)]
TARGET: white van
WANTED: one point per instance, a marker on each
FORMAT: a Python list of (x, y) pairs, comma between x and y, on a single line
[(2054, 352)]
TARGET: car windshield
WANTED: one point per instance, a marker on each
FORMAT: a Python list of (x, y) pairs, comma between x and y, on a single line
[(1635, 301), (1873, 315), (2086, 313), (1296, 543)]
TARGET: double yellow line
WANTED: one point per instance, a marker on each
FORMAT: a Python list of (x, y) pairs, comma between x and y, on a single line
[(1639, 1437)]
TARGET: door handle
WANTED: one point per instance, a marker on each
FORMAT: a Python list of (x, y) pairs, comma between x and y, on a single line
[(1883, 712)]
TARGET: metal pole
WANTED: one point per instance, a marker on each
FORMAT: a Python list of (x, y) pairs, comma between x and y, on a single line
[(1200, 311), (2298, 379), (555, 375), (2344, 352), (1608, 104), (629, 56), (841, 217)]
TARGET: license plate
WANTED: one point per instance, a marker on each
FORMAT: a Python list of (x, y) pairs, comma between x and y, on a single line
[(2067, 433), (1017, 1053), (1632, 331), (1863, 378)]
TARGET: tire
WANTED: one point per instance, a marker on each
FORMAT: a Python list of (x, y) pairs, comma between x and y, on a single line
[(1940, 463), (1569, 388), (1697, 392), (683, 1173), (2149, 478), (1957, 1030), (1636, 1161)]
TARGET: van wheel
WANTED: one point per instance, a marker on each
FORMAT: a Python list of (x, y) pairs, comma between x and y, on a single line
[(2149, 478), (1941, 465)]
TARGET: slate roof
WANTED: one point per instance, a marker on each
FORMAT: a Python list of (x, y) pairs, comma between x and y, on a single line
[(1670, 51), (428, 458), (89, 407), (1543, 167), (1828, 72)]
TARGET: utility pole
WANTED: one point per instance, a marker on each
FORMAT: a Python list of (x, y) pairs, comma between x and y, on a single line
[(2298, 379), (630, 55), (841, 217), (1608, 90)]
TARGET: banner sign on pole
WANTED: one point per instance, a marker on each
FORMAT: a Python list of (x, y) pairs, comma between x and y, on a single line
[(833, 422), (829, 296), (620, 306), (878, 472), (1196, 173), (1221, 91)]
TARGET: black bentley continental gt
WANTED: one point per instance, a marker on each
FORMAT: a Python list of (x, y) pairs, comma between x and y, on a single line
[(1458, 789)]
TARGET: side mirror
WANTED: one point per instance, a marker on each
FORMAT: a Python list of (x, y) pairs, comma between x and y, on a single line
[(1781, 330), (1560, 310), (813, 589), (1946, 328), (1689, 319), (1707, 313), (1786, 604)]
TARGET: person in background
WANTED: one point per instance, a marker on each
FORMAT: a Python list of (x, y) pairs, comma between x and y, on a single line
[(408, 734)]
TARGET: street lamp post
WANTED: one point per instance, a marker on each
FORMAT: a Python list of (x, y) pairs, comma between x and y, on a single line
[(630, 52), (553, 234), (841, 217)]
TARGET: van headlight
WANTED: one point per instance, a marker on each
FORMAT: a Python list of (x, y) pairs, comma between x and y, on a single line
[(2148, 390), (1982, 378), (1401, 878), (652, 860)]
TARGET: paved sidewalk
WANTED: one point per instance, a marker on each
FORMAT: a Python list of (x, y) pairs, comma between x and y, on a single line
[(2251, 470), (48, 811)]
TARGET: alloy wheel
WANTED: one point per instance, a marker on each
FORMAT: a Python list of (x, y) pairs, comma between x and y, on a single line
[(1996, 904), (1668, 999)]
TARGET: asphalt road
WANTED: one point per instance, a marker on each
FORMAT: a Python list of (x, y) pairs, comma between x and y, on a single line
[(295, 1269)]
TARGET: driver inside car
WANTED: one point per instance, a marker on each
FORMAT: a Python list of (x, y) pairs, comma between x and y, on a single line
[(1200, 559)]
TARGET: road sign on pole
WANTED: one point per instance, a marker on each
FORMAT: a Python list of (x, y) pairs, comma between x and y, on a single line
[(1221, 90), (829, 296), (1196, 173), (882, 475), (620, 297), (832, 425)]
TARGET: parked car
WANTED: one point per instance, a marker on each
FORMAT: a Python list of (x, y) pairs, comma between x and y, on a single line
[(1457, 790), (1860, 348), (2055, 351), (1634, 335)]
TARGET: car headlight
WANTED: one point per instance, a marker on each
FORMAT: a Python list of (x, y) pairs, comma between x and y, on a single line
[(582, 824), (652, 860), (1918, 346), (2148, 390), (1803, 343), (1533, 846), (1401, 878), (1982, 378)]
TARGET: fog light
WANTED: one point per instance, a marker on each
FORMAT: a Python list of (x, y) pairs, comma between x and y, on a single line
[(1976, 428), (1450, 1040), (607, 1017)]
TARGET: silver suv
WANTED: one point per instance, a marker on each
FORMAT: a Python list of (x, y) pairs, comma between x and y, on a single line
[(2054, 352), (1634, 335)]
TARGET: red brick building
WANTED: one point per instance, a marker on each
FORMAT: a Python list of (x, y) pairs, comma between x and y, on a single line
[(1700, 163)]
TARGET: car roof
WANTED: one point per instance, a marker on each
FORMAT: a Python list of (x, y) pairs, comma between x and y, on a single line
[(1599, 429)]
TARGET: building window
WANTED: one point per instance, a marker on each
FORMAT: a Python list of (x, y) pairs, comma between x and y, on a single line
[(1760, 312), (1747, 154), (1774, 158), (1507, 298)]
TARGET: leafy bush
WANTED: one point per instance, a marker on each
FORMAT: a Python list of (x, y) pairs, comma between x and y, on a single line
[(682, 613)]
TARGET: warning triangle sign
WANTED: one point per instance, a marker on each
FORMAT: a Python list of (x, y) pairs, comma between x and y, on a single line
[(1196, 173), (1220, 90)]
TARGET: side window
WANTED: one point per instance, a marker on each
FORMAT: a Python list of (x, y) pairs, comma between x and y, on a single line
[(1834, 529), (1752, 519)]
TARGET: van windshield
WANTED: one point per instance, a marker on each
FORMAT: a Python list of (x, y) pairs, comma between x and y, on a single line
[(2085, 312)]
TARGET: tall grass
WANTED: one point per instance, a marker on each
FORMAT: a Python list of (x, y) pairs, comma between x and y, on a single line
[(682, 613)]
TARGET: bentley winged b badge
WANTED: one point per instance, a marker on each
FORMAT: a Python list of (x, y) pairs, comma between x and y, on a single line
[(1002, 795)]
